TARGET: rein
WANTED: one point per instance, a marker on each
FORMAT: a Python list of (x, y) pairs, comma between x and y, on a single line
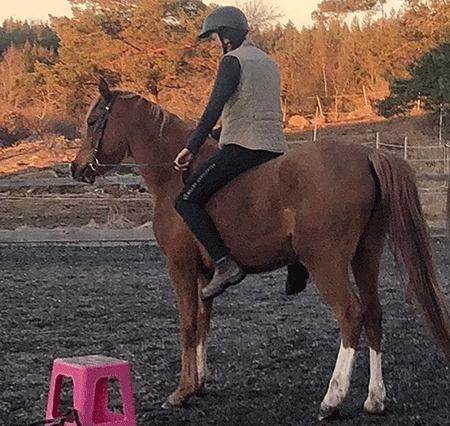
[(136, 165)]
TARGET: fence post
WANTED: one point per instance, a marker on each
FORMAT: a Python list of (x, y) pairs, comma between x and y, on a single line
[(405, 146), (319, 106), (315, 124), (446, 157), (284, 110), (365, 96), (377, 141)]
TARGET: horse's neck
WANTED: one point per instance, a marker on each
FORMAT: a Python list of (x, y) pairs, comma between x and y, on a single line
[(156, 142), (168, 132)]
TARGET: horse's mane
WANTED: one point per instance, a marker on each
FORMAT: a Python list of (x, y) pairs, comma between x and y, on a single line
[(164, 119), (161, 118)]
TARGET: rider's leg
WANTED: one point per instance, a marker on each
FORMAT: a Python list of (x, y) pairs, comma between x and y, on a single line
[(223, 167)]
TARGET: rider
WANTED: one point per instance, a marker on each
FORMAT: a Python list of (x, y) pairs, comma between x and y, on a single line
[(246, 95)]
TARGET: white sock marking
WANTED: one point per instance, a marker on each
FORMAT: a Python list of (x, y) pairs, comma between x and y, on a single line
[(340, 380), (377, 392), (201, 362)]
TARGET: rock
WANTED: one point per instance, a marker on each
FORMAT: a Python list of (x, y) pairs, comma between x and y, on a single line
[(318, 121), (298, 121), (361, 113)]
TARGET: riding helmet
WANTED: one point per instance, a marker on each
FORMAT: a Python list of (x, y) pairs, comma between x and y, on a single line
[(224, 17)]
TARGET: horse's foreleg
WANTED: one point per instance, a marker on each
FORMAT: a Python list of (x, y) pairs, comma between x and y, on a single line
[(203, 325), (188, 304)]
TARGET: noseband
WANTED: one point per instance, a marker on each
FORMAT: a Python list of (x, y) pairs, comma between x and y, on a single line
[(101, 126)]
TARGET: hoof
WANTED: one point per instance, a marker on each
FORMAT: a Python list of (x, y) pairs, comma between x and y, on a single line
[(374, 403), (201, 391), (171, 406), (328, 413), (373, 407), (168, 405), (177, 400)]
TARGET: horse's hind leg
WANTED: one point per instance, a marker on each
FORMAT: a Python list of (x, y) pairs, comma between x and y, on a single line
[(331, 277), (366, 265)]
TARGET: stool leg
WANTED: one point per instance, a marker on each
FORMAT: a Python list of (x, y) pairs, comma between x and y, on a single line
[(101, 399), (54, 396), (83, 392), (127, 397)]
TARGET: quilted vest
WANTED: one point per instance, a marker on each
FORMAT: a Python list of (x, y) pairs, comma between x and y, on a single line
[(252, 116)]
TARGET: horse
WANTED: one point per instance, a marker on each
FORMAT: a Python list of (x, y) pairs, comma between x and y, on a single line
[(329, 205)]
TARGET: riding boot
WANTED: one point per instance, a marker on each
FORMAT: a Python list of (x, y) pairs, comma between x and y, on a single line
[(226, 274), (297, 278)]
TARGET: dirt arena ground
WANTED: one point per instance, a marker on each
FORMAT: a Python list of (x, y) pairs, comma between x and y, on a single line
[(270, 356)]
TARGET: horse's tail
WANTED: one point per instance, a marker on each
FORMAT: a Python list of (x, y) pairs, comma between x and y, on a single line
[(410, 241)]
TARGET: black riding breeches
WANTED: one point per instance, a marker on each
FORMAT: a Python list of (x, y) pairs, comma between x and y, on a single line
[(220, 169)]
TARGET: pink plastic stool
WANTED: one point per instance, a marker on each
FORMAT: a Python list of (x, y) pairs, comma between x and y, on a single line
[(90, 376)]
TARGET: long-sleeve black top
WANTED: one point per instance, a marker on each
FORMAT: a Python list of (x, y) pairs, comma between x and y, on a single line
[(227, 81)]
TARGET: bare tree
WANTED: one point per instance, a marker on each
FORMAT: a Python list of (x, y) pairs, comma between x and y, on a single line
[(342, 8), (260, 14)]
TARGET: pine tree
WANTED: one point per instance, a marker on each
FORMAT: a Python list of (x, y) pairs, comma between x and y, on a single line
[(430, 80)]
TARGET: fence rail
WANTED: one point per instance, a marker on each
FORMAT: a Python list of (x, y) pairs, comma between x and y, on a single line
[(442, 152)]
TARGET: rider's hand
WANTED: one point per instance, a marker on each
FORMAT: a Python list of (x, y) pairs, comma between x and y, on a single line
[(183, 160)]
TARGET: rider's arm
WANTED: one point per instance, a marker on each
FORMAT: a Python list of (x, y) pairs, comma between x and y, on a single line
[(227, 81)]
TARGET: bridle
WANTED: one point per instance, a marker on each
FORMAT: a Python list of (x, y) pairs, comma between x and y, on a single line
[(100, 128)]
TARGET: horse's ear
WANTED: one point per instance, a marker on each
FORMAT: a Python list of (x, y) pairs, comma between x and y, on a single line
[(104, 89)]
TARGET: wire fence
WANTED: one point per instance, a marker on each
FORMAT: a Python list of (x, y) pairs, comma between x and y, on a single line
[(430, 162), (436, 157)]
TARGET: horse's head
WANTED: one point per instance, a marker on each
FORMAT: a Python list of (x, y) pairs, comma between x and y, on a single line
[(103, 144)]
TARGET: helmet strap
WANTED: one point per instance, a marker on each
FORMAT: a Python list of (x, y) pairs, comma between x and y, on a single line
[(226, 43)]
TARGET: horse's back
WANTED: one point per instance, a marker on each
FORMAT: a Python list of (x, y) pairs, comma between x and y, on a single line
[(316, 193)]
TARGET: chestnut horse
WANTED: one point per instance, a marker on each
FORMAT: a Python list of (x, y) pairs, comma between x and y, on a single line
[(325, 204)]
